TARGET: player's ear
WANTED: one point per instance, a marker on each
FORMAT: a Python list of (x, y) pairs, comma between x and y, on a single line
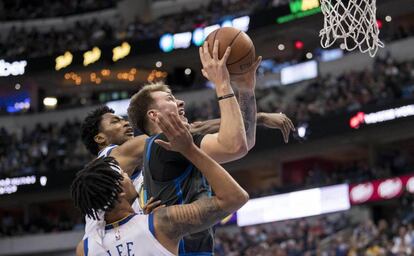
[(152, 114), (99, 138)]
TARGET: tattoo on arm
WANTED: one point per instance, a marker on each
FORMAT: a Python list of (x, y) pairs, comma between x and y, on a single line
[(180, 220), (247, 102)]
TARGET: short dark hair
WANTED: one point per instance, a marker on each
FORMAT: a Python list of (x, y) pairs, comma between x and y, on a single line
[(141, 102), (97, 187), (90, 128)]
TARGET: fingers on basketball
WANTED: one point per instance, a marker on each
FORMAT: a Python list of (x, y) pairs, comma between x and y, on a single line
[(226, 55), (215, 50)]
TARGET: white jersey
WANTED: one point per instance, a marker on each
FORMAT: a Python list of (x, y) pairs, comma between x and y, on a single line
[(133, 235), (95, 226)]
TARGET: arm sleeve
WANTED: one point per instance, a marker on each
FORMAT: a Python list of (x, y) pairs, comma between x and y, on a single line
[(168, 165)]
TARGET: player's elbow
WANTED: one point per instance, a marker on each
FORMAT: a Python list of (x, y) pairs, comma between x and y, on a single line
[(238, 200), (244, 197), (242, 150), (238, 149)]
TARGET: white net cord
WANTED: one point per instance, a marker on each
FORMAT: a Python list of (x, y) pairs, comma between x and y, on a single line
[(354, 22)]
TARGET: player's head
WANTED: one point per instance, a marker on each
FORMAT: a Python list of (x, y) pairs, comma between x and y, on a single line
[(151, 100), (100, 187), (102, 128)]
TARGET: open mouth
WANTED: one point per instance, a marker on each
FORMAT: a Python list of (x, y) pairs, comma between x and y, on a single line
[(181, 112), (129, 131)]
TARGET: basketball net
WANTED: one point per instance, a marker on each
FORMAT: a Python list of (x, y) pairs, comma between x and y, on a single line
[(352, 21)]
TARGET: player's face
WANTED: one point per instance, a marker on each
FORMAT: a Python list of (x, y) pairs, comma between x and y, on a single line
[(128, 188), (115, 129), (165, 103)]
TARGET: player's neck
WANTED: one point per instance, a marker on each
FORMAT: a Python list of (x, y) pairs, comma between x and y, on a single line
[(121, 210), (154, 130)]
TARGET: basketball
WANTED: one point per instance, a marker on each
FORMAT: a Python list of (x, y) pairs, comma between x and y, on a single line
[(242, 54)]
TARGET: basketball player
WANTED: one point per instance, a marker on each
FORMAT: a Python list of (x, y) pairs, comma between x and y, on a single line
[(99, 188), (169, 176)]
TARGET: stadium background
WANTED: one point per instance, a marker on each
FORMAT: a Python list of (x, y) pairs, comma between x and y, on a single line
[(354, 117)]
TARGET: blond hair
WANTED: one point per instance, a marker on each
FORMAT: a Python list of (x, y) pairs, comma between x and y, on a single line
[(141, 102)]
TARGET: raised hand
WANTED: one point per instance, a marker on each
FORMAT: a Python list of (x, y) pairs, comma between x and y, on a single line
[(215, 69), (178, 135)]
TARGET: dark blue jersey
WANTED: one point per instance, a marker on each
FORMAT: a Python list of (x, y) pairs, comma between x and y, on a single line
[(171, 178)]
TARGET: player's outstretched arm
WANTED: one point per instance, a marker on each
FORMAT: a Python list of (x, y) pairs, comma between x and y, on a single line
[(277, 121), (230, 142), (174, 222), (129, 154), (205, 127), (270, 120)]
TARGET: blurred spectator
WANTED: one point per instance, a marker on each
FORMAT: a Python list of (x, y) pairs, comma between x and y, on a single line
[(34, 9), (53, 147)]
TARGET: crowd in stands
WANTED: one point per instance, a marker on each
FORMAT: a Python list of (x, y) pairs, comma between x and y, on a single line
[(293, 237), (43, 148), (34, 9), (25, 42), (33, 43), (84, 35), (40, 219)]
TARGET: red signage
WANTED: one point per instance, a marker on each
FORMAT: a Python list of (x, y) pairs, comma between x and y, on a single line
[(378, 190)]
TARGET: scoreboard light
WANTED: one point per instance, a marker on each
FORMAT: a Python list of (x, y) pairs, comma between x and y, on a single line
[(121, 51), (209, 29), (242, 23), (169, 42), (91, 56), (227, 23), (198, 37), (300, 9), (299, 44), (63, 61), (182, 40)]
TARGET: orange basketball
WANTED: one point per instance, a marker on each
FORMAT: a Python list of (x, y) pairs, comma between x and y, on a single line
[(242, 54)]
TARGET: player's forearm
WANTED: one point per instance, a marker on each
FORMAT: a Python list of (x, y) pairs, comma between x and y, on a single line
[(213, 125), (260, 118), (229, 193), (231, 133), (247, 102), (205, 127)]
